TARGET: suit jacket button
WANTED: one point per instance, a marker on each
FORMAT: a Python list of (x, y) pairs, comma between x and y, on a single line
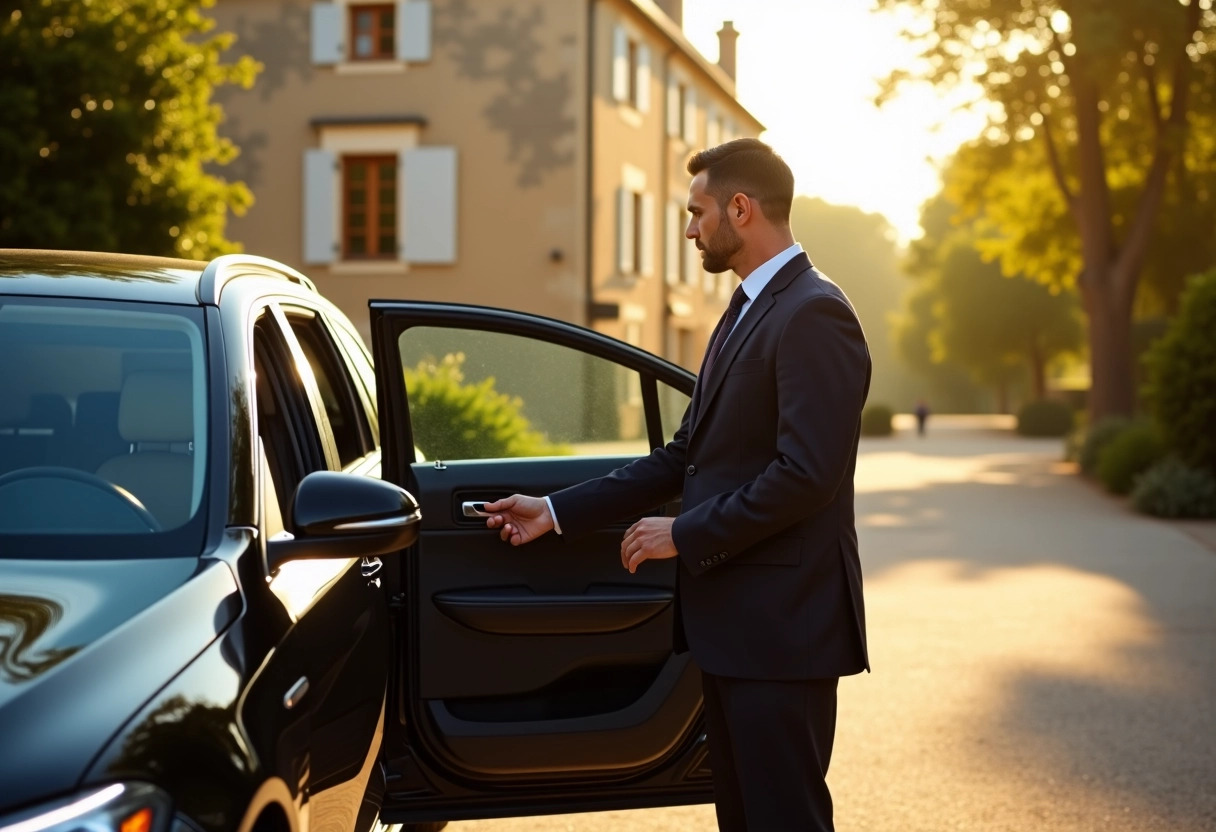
[(692, 469)]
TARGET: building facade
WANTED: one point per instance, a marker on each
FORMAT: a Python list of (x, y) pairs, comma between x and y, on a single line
[(528, 154)]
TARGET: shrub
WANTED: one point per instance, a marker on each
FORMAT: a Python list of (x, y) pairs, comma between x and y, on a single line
[(1128, 455), (876, 420), (1045, 417), (1181, 365), (1096, 440), (1171, 488), (455, 420)]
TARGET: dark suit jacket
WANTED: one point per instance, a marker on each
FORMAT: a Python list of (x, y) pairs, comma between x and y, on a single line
[(769, 583)]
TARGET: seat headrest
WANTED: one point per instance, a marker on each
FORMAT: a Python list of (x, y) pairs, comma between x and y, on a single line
[(156, 406)]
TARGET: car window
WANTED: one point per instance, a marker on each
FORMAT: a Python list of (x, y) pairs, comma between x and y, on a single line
[(482, 395), (287, 432), (360, 361), (343, 408), (672, 404), (103, 423)]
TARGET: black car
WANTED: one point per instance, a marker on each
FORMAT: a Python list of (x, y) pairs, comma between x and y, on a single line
[(235, 596)]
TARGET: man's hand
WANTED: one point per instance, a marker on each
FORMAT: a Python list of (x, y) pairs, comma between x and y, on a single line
[(647, 539), (519, 519)]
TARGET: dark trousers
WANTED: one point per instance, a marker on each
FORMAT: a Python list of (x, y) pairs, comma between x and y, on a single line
[(769, 746)]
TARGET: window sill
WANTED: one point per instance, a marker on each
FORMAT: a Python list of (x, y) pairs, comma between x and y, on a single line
[(369, 67), (369, 267), (629, 114)]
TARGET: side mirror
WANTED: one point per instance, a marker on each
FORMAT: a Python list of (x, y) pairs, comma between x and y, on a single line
[(335, 515)]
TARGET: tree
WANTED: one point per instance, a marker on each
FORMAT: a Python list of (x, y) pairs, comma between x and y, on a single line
[(1097, 116), (964, 311), (859, 251), (108, 126)]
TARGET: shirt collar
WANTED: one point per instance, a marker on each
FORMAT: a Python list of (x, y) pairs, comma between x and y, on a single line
[(755, 282)]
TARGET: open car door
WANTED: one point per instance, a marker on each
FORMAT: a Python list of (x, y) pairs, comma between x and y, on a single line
[(541, 678)]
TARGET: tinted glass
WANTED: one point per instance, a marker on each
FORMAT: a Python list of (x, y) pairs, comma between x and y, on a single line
[(102, 429), (484, 395)]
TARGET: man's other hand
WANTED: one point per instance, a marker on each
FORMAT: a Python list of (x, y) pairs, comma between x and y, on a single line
[(647, 539), (519, 519)]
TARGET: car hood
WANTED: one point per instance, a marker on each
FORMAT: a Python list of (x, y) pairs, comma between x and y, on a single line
[(82, 645)]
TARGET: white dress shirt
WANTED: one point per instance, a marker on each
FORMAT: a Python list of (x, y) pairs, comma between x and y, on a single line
[(755, 282)]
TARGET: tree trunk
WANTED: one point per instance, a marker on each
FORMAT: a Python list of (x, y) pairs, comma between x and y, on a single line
[(1111, 390), (1038, 371), (1002, 396)]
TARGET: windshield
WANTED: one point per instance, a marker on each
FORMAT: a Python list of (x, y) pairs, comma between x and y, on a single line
[(103, 417)]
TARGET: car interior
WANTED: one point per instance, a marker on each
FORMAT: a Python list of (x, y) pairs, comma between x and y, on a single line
[(100, 400)]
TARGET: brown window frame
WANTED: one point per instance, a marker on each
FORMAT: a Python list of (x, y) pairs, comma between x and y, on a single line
[(378, 33), (371, 206)]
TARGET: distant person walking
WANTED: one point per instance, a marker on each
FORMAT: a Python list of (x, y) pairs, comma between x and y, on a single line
[(922, 417)]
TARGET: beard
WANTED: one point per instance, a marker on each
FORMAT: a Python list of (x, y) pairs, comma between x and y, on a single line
[(720, 248)]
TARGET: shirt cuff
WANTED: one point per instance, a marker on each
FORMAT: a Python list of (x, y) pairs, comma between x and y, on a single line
[(553, 515)]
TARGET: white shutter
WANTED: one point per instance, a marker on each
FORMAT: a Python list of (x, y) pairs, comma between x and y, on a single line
[(690, 116), (620, 64), (646, 229), (326, 33), (643, 80), (430, 210), (692, 262), (320, 206), (624, 226), (673, 107), (713, 127), (414, 30), (674, 240)]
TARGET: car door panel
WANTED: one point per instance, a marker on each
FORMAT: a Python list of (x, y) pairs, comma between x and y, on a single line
[(541, 665)]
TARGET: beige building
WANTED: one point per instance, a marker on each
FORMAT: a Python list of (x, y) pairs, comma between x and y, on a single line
[(527, 154)]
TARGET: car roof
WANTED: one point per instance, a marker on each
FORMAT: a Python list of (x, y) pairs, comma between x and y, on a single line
[(130, 277), (85, 274)]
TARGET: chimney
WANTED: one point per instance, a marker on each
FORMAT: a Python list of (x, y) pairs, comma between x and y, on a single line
[(726, 47), (674, 10)]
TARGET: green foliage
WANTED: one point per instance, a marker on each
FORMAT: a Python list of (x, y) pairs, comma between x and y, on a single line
[(1171, 488), (876, 420), (1132, 452), (1097, 438), (108, 127), (858, 250), (1098, 163), (455, 420), (1181, 389), (1045, 417), (965, 312)]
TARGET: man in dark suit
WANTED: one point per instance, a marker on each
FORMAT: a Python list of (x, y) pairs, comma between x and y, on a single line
[(769, 582)]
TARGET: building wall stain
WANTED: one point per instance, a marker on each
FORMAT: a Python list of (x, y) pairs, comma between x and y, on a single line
[(534, 110)]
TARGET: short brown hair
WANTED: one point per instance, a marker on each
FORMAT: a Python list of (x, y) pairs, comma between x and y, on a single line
[(751, 167)]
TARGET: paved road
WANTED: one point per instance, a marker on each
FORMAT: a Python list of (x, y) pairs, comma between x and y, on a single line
[(1043, 658)]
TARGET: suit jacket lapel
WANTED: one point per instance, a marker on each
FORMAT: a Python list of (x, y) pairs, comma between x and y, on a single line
[(707, 387)]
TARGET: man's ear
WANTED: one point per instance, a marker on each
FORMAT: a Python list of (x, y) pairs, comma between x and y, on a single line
[(740, 203)]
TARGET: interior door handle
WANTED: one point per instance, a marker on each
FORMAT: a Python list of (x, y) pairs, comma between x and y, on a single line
[(474, 508)]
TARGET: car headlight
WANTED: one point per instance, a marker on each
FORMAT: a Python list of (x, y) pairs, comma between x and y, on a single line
[(120, 807)]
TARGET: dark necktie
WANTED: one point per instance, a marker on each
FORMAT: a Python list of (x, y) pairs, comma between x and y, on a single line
[(728, 323)]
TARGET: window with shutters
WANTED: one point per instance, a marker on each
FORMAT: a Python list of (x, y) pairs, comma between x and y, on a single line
[(635, 231), (630, 70), (373, 32), (347, 34), (376, 200), (369, 207)]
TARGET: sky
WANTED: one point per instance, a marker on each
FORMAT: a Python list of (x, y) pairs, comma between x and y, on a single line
[(809, 70)]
